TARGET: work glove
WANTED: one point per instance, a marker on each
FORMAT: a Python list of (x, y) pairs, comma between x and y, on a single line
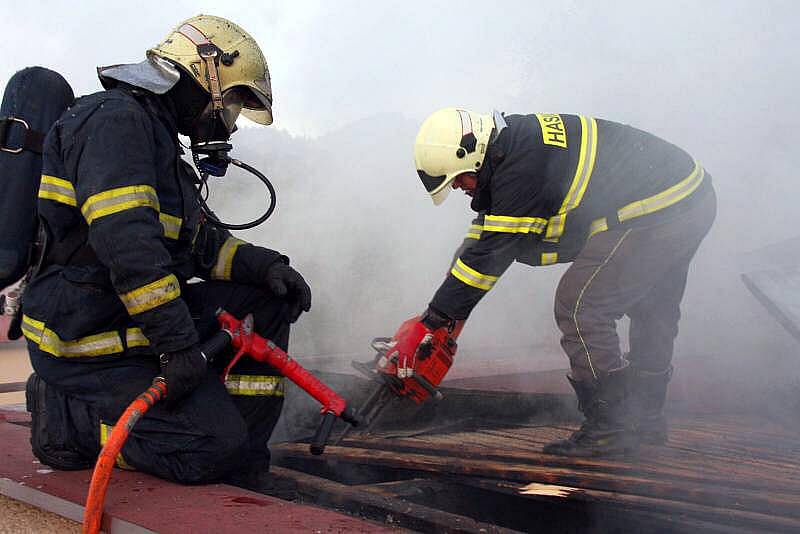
[(412, 343), (183, 371), (285, 282)]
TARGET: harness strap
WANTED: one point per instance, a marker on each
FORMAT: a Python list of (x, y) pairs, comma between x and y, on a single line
[(32, 140)]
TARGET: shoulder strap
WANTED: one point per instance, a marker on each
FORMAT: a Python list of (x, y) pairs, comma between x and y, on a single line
[(32, 139)]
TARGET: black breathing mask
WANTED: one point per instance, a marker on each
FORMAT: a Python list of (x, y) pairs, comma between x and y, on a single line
[(210, 134)]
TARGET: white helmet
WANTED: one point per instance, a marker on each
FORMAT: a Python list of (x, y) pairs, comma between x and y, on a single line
[(450, 142)]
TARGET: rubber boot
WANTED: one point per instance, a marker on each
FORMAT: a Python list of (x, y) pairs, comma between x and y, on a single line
[(49, 453), (606, 430), (648, 392)]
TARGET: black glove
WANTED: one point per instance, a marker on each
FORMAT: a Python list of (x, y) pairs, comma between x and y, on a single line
[(183, 371), (284, 281)]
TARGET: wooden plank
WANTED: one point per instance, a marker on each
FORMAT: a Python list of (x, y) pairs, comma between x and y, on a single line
[(648, 464), (380, 503), (645, 511), (734, 499)]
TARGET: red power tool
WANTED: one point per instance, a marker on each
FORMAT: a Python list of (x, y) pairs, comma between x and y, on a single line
[(417, 380), (241, 336)]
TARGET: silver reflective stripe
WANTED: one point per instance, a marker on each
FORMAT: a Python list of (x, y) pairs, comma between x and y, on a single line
[(471, 277), (654, 203), (664, 199), (101, 344), (57, 189), (152, 295), (224, 266), (521, 225), (171, 225), (583, 173), (549, 258), (119, 199), (254, 385), (134, 337)]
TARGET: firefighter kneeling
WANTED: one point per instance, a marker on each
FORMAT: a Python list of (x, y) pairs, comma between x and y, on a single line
[(111, 308), (628, 211)]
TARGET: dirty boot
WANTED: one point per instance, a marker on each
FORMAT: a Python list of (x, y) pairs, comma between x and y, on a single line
[(606, 430), (48, 452), (648, 392)]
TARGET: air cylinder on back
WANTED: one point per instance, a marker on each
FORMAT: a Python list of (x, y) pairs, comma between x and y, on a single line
[(35, 97)]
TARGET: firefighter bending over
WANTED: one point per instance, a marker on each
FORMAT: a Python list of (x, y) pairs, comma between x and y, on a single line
[(110, 308), (628, 211)]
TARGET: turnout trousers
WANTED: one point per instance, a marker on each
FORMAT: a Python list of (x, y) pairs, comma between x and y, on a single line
[(635, 270), (218, 430)]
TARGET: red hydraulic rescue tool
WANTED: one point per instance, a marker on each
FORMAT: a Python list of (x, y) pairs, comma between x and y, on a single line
[(417, 379), (241, 336)]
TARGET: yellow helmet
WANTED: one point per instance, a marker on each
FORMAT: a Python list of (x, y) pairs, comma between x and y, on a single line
[(219, 55), (450, 142)]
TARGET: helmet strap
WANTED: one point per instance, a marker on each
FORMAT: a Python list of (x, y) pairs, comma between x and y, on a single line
[(209, 54)]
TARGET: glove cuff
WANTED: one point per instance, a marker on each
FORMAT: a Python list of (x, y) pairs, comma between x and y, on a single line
[(435, 320)]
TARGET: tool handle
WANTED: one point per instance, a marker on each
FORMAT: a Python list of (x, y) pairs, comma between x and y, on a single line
[(430, 388), (320, 439), (213, 346)]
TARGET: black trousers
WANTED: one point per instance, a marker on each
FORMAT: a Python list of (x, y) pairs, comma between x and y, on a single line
[(217, 431), (639, 271)]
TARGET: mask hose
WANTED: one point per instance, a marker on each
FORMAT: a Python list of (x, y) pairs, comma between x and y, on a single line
[(224, 158)]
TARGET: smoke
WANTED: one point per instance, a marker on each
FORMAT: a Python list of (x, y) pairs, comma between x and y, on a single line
[(716, 79), (352, 83)]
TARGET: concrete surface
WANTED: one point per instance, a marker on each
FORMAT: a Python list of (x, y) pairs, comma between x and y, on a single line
[(17, 517)]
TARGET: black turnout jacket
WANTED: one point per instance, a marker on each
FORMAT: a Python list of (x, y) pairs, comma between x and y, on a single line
[(125, 233), (551, 181)]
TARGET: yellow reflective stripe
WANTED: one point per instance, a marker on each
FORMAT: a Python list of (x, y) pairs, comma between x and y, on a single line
[(549, 258), (57, 189), (664, 199), (654, 203), (474, 231), (514, 225), (471, 277), (152, 295), (171, 224), (254, 385), (119, 199), (583, 173), (101, 344), (597, 226), (32, 329), (105, 434), (224, 265), (134, 337)]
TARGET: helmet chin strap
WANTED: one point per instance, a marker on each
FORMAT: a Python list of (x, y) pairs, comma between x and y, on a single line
[(216, 158)]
